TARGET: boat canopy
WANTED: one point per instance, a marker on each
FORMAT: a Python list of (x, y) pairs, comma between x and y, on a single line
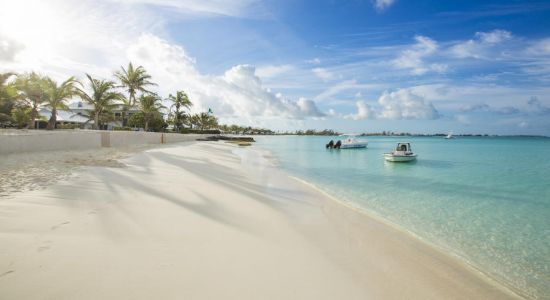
[(403, 147)]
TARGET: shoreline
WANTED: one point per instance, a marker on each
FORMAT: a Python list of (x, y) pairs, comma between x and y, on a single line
[(447, 252), (443, 250), (240, 216)]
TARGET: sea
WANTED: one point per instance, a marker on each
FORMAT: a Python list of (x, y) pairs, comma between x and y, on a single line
[(485, 200)]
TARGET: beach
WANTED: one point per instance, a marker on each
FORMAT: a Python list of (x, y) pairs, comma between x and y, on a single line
[(209, 220)]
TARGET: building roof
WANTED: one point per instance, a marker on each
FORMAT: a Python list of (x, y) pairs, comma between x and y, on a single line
[(63, 115)]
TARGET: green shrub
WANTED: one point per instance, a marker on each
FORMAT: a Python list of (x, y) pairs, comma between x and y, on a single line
[(198, 131), (125, 128), (68, 126)]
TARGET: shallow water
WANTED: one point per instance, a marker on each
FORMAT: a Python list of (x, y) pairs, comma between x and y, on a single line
[(484, 199)]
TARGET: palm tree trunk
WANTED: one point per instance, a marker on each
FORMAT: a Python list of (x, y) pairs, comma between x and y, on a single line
[(30, 125), (96, 121), (53, 120), (124, 120), (146, 125)]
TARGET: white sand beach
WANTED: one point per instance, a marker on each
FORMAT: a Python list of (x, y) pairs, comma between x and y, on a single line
[(209, 220)]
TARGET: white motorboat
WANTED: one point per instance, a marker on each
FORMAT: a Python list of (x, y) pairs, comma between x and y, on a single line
[(402, 153), (449, 136), (352, 142)]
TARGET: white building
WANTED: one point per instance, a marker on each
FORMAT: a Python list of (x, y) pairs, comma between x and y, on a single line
[(79, 114)]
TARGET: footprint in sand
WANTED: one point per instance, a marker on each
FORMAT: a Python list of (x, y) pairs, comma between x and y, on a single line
[(59, 225), (46, 245), (6, 273)]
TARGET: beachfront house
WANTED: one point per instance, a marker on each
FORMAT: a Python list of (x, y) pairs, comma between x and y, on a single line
[(77, 116)]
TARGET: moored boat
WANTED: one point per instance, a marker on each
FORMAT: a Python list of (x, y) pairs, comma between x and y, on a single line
[(352, 142), (402, 153), (348, 143)]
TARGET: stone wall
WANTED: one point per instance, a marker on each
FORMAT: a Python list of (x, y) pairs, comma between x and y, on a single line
[(17, 141)]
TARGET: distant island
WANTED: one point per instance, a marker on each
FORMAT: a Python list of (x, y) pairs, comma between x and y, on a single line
[(236, 129)]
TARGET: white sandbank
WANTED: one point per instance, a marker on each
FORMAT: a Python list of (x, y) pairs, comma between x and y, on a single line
[(197, 221)]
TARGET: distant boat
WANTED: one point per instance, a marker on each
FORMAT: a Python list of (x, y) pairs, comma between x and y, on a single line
[(402, 153), (449, 136), (352, 142)]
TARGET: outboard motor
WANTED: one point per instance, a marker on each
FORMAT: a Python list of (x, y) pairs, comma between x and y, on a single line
[(338, 144), (330, 144)]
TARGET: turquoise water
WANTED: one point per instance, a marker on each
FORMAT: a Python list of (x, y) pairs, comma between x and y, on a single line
[(486, 200)]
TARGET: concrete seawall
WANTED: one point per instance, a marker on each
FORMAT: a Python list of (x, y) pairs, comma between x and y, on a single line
[(19, 141)]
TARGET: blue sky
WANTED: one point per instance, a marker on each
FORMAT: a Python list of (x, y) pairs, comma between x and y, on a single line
[(354, 66)]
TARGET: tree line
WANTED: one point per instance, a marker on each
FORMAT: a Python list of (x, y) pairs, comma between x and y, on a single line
[(21, 99)]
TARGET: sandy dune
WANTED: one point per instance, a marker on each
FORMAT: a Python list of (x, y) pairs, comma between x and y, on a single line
[(195, 221)]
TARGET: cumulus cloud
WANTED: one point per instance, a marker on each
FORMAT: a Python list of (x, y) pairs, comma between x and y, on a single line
[(482, 45), (413, 58), (381, 5), (364, 111), (238, 92), (309, 108), (397, 105), (405, 104)]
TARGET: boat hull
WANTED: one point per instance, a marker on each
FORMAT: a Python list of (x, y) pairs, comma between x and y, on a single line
[(399, 158), (353, 146)]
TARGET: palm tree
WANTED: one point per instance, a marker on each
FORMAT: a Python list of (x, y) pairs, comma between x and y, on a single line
[(204, 121), (57, 95), (7, 96), (180, 101), (101, 97), (32, 93), (134, 80), (6, 92), (150, 106)]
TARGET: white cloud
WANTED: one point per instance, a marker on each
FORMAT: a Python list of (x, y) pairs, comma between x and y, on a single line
[(270, 71), (405, 104), (364, 111), (494, 37), (308, 108), (413, 58), (399, 105), (482, 46), (381, 5), (237, 93), (323, 74)]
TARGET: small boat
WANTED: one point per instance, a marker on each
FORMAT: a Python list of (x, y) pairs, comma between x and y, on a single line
[(349, 143), (449, 136), (352, 142), (402, 153)]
